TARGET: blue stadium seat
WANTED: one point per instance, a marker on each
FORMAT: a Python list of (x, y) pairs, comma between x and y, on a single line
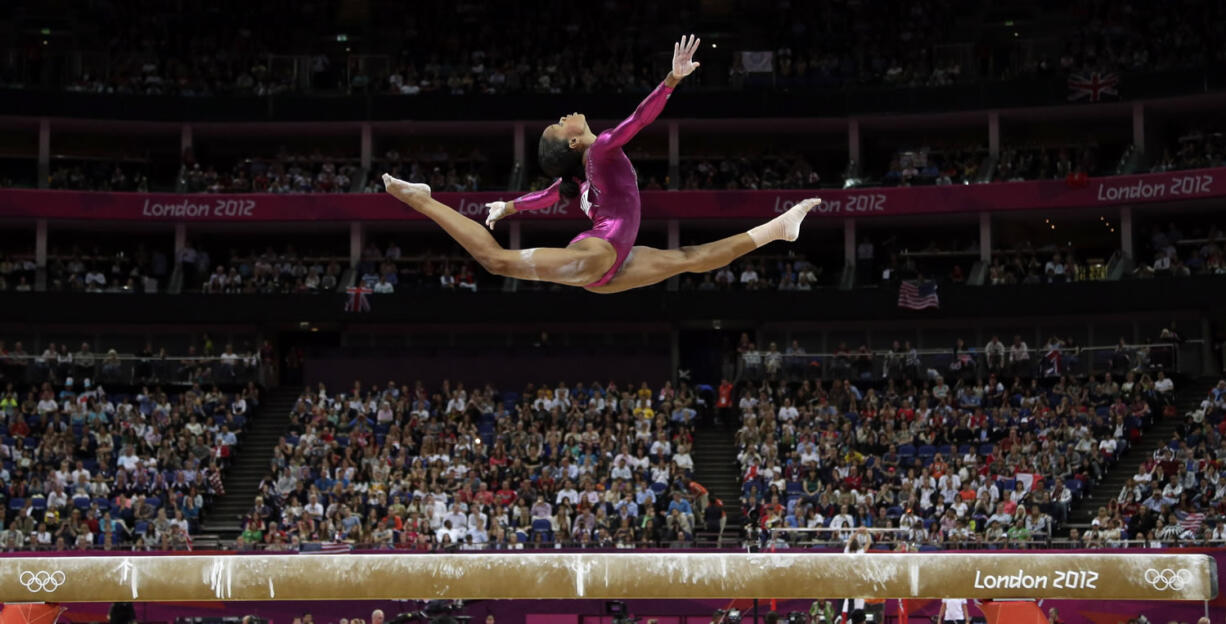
[(906, 450), (542, 527), (987, 449)]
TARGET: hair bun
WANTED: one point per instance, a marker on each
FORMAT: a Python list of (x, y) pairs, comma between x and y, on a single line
[(569, 188)]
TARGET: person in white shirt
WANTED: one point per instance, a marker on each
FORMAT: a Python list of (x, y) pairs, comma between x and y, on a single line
[(568, 493), (129, 461), (383, 287), (788, 412), (953, 610), (1163, 384), (621, 471), (749, 277), (843, 519), (682, 458), (995, 351), (1054, 269), (1019, 355)]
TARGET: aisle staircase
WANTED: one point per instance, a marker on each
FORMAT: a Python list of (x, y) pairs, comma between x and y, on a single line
[(715, 467), (242, 480), (1189, 394)]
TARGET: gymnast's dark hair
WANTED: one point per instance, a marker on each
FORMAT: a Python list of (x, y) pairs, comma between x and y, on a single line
[(558, 160)]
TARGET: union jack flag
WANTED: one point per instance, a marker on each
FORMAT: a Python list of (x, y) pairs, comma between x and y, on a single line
[(1092, 86), (358, 300)]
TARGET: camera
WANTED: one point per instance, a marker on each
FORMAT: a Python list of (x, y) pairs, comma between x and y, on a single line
[(730, 616), (618, 611)]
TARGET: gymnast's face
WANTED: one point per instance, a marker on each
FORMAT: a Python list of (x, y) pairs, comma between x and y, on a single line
[(570, 128)]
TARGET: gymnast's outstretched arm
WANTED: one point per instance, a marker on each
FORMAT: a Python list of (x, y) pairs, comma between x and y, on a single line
[(647, 111)]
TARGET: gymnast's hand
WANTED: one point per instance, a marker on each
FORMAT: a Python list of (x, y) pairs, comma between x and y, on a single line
[(498, 210), (683, 57)]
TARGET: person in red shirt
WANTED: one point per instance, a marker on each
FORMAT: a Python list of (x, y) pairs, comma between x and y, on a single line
[(723, 403), (19, 428), (853, 478), (483, 495), (698, 494), (505, 495)]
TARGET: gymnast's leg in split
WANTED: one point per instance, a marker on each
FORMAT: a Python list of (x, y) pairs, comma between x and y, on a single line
[(648, 265), (587, 261)]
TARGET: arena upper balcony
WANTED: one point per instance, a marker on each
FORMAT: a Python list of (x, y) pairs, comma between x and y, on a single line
[(691, 102)]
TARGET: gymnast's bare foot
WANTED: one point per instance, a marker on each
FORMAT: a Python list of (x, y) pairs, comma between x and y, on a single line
[(407, 192)]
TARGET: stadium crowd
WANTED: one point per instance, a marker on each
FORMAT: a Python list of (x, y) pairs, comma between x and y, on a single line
[(1197, 149), (284, 173), (469, 468), (949, 453), (103, 175), (381, 268), (261, 272), (107, 268), (1177, 496), (17, 273), (401, 52), (1175, 254), (85, 468), (743, 173)]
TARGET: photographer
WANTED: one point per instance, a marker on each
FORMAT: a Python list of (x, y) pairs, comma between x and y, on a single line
[(952, 610)]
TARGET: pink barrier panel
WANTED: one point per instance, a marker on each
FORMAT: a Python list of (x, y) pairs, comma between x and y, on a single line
[(1038, 195)]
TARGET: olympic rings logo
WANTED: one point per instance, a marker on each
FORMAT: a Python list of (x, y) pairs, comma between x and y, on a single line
[(1167, 578), (41, 580)]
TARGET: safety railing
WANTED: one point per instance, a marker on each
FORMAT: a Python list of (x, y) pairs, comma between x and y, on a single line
[(127, 369), (969, 364)]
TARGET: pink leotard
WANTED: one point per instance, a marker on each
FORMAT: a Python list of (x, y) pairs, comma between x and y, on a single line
[(610, 195)]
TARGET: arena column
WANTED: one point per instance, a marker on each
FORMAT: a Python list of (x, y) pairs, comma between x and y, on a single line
[(44, 152), (849, 243), (367, 147), (519, 149), (40, 255), (674, 158), (674, 242), (994, 134), (985, 237), (1126, 230), (1138, 126), (356, 232), (853, 145)]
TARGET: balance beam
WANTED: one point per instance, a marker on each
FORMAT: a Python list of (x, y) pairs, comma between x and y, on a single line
[(607, 576)]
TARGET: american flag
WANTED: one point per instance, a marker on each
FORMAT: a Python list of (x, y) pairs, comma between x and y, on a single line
[(357, 301), (1092, 85), (917, 296), (335, 547)]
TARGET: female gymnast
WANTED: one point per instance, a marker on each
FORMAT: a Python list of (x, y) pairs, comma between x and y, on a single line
[(603, 259)]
